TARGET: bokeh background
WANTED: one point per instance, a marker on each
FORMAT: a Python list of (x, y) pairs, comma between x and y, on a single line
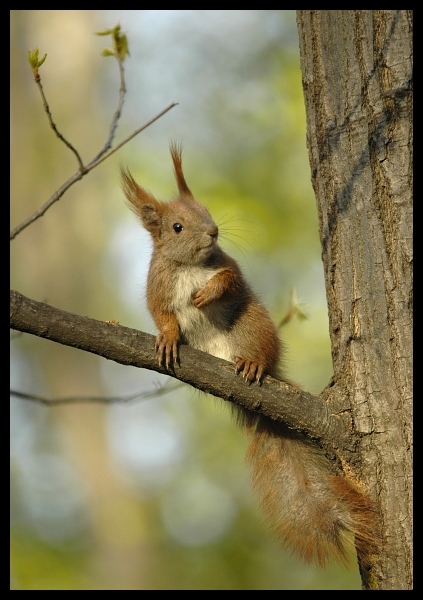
[(153, 493)]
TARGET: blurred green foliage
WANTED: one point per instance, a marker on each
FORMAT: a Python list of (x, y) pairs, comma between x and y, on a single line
[(155, 494), (120, 43)]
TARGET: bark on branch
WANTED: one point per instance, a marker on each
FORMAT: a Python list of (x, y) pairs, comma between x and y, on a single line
[(279, 400)]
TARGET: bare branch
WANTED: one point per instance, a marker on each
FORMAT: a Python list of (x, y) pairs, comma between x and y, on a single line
[(276, 399), (116, 116), (92, 164), (54, 198), (80, 173), (160, 390), (120, 53), (53, 125)]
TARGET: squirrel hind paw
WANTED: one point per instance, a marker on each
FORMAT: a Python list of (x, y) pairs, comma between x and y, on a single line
[(251, 370)]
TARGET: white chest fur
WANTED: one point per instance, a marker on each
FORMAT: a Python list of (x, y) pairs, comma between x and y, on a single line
[(203, 328)]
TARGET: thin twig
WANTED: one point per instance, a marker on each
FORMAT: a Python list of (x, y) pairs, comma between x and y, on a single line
[(100, 156), (39, 213), (80, 173), (159, 391), (116, 116), (92, 164), (53, 125), (113, 126)]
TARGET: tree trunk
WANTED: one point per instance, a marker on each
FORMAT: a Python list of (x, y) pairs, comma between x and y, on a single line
[(357, 79)]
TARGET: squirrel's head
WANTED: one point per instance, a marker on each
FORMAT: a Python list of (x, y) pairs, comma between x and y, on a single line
[(183, 230)]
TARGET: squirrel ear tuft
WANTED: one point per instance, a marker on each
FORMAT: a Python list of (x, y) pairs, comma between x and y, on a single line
[(143, 204), (136, 195), (176, 153)]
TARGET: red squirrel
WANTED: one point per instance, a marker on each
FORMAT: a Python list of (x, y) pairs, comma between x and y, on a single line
[(197, 295)]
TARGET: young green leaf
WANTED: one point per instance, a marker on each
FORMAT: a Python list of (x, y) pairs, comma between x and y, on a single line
[(107, 32), (108, 52), (122, 47), (120, 43), (34, 62)]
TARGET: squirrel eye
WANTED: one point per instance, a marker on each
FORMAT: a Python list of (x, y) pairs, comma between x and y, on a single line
[(177, 227)]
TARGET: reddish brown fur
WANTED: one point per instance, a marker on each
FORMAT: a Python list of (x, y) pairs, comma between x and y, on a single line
[(317, 515), (176, 153), (197, 294)]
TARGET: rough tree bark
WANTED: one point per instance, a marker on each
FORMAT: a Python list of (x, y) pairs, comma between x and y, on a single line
[(357, 80)]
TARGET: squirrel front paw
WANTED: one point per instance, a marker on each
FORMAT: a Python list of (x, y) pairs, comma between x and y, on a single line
[(167, 350), (210, 292), (250, 370)]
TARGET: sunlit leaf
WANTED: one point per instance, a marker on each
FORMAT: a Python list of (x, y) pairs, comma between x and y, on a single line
[(107, 32), (108, 52), (120, 43), (33, 59)]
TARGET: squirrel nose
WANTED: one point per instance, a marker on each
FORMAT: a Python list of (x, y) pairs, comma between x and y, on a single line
[(213, 232)]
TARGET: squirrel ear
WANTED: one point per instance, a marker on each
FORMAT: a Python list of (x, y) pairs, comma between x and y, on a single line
[(144, 204), (151, 218), (176, 153)]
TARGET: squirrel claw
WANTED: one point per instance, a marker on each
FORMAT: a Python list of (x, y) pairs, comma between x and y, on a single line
[(251, 371), (167, 351)]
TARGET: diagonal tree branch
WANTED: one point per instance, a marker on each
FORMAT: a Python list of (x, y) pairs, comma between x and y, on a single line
[(275, 399), (81, 172), (120, 51)]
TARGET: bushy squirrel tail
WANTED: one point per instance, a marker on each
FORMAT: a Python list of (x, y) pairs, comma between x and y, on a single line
[(316, 514)]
